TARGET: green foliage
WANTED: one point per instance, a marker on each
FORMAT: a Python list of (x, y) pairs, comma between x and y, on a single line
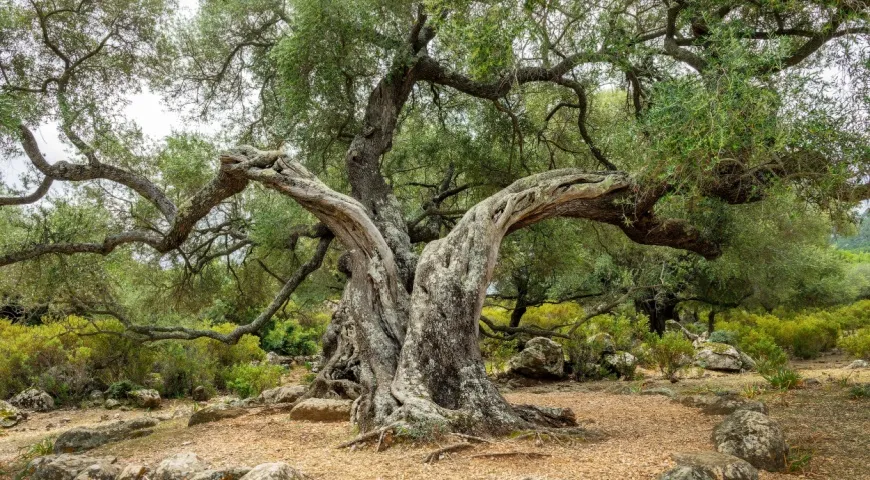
[(249, 380), (287, 337), (783, 379), (857, 344), (723, 336), (670, 352), (120, 390), (497, 353), (860, 391)]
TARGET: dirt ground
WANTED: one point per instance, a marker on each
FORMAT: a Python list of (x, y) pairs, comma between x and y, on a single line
[(823, 425)]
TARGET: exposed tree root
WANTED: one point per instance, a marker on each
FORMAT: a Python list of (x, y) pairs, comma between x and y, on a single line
[(371, 436), (436, 455), (471, 438), (512, 454)]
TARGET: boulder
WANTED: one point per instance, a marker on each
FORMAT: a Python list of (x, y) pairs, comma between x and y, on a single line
[(721, 357), (33, 399), (200, 394), (145, 398), (181, 466), (754, 437), (134, 471), (273, 471), (542, 358), (857, 364), (111, 404), (275, 359), (621, 363), (81, 439), (9, 415), (322, 410), (722, 404), (232, 473), (72, 467), (602, 342), (710, 466), (214, 413), (285, 394)]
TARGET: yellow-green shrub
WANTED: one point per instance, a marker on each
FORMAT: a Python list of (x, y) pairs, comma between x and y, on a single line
[(857, 344), (249, 380)]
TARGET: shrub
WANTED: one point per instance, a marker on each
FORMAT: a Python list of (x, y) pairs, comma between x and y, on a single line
[(860, 391), (768, 356), (670, 352), (724, 336), (249, 380), (287, 337), (783, 379), (497, 352), (857, 344), (120, 390)]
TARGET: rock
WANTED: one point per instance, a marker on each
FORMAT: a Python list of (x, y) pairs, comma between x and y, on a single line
[(249, 402), (134, 471), (214, 413), (621, 363), (542, 358), (285, 394), (812, 382), (153, 381), (858, 364), (33, 399), (145, 398), (81, 439), (748, 362), (275, 359), (200, 394), (667, 392), (111, 404), (71, 467), (322, 410), (273, 471), (181, 466), (96, 396), (719, 356), (754, 437), (710, 466), (232, 473), (722, 404), (9, 415), (602, 342)]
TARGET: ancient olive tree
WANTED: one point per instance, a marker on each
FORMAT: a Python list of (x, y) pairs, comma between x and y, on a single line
[(419, 135)]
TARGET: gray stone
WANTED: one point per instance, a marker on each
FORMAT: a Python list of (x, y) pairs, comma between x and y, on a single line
[(81, 439), (285, 394), (10, 415), (720, 357), (200, 394), (96, 396), (667, 392), (322, 410), (812, 382), (99, 471), (273, 471), (754, 437), (710, 466), (275, 359), (181, 466), (858, 364), (622, 363), (232, 473), (33, 399), (69, 467), (542, 358), (134, 471), (722, 404), (111, 404), (145, 398), (214, 413)]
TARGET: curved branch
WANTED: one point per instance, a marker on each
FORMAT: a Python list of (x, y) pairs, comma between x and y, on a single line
[(40, 192)]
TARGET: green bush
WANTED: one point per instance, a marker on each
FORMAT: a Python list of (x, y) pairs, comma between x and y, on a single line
[(769, 357), (670, 352), (783, 379), (857, 344), (860, 391), (287, 337), (724, 336), (249, 380), (120, 390)]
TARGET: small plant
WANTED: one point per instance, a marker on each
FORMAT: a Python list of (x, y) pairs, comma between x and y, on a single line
[(670, 352), (860, 391), (249, 380), (39, 449), (799, 459), (752, 391), (308, 378), (784, 379)]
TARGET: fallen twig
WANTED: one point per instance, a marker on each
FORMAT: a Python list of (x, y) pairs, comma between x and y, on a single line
[(436, 455), (512, 454), (368, 436), (471, 438)]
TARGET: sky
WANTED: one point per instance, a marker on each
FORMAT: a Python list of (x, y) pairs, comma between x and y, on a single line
[(146, 108)]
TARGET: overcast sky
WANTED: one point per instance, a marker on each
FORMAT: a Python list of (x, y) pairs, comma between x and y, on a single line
[(146, 109)]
